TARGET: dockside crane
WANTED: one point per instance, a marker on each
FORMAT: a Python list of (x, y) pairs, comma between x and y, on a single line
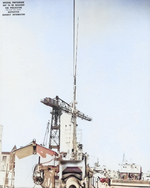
[(46, 135), (58, 107)]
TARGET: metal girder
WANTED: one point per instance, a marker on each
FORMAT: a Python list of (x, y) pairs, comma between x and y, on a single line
[(59, 104), (54, 141)]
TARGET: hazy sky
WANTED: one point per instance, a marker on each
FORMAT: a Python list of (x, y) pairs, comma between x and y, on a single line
[(113, 74)]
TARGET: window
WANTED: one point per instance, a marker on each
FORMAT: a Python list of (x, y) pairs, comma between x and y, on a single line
[(4, 158)]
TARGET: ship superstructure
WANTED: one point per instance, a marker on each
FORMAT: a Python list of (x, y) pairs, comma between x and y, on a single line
[(130, 175), (130, 171), (73, 165), (67, 167)]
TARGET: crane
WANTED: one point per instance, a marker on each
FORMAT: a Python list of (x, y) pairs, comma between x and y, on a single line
[(58, 107), (46, 135)]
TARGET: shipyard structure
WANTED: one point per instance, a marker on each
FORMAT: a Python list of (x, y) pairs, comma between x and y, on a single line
[(60, 172)]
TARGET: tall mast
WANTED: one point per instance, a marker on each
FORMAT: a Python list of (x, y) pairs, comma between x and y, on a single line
[(74, 58), (74, 89)]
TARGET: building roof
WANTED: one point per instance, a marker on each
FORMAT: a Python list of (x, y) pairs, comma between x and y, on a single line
[(5, 153)]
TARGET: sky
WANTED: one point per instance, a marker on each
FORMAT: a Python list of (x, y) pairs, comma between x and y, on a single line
[(113, 74)]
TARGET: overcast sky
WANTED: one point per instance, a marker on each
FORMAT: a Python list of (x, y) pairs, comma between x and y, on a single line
[(113, 74)]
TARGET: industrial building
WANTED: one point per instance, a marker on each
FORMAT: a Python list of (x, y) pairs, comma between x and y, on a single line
[(5, 177)]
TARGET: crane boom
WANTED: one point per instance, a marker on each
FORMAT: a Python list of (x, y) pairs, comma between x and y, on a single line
[(61, 105), (46, 135)]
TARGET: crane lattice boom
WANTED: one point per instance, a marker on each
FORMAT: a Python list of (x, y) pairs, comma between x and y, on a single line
[(61, 105)]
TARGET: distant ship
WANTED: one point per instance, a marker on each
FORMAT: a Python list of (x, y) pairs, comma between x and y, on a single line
[(129, 175)]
